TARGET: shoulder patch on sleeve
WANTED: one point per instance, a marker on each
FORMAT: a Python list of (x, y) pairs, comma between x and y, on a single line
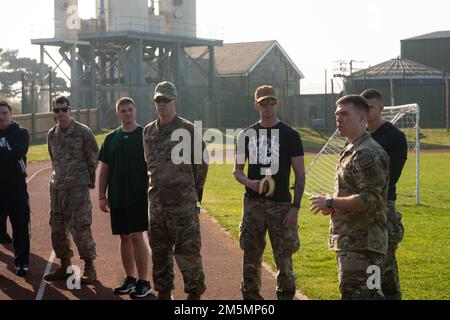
[(364, 160)]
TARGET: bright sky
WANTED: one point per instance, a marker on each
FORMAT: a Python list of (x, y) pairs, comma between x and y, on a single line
[(315, 33)]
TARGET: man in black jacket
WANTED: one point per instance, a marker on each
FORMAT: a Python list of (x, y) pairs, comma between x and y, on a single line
[(14, 200), (4, 236)]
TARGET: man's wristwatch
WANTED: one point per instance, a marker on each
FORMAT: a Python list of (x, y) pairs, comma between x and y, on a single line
[(329, 203)]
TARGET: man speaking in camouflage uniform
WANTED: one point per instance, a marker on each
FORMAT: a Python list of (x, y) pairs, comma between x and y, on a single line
[(269, 144), (74, 153), (394, 142), (358, 230), (174, 189)]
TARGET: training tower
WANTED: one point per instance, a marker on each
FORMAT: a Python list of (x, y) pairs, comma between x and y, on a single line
[(127, 49)]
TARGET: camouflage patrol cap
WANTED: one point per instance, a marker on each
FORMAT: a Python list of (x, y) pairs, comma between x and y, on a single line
[(167, 90), (265, 92)]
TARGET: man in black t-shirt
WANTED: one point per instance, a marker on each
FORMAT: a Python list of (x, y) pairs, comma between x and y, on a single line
[(271, 148), (395, 144)]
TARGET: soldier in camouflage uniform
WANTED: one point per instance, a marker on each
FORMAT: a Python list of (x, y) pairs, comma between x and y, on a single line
[(270, 142), (358, 231), (74, 153), (174, 190), (394, 142)]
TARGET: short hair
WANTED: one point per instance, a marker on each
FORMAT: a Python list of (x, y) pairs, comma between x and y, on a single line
[(61, 100), (358, 102), (372, 94), (6, 104), (123, 101)]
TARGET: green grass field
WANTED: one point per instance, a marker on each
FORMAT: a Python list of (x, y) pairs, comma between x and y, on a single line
[(423, 255), (430, 138)]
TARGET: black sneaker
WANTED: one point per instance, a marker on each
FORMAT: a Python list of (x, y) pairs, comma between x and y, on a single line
[(142, 289), (5, 239), (126, 286), (22, 270)]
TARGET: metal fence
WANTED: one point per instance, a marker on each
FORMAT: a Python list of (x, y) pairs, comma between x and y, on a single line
[(38, 124)]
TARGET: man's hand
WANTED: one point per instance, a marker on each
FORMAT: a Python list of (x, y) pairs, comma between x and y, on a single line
[(291, 220), (253, 185), (319, 204), (104, 205)]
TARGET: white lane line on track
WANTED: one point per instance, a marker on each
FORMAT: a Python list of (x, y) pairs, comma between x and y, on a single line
[(37, 173), (48, 268), (41, 290)]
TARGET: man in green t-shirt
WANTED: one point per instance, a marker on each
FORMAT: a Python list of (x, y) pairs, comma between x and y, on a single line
[(123, 174)]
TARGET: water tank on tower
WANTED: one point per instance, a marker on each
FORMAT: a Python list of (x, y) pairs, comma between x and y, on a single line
[(120, 15), (180, 16), (67, 21)]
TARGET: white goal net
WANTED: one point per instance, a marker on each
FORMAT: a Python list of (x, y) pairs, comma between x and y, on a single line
[(321, 173)]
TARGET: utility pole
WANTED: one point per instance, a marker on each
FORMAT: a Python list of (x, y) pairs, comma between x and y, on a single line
[(391, 81), (447, 98), (345, 71), (326, 97), (351, 76), (50, 89), (332, 92), (24, 96)]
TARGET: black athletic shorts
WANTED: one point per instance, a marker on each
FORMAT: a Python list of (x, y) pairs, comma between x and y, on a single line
[(131, 219)]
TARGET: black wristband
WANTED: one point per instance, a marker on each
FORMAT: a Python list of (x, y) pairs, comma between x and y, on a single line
[(296, 206), (329, 203)]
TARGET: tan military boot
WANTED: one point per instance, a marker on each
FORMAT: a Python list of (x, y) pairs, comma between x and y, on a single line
[(89, 274), (193, 296), (165, 295), (61, 273)]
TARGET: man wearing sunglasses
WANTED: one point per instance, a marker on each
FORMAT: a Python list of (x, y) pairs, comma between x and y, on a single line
[(174, 190), (269, 143), (74, 152)]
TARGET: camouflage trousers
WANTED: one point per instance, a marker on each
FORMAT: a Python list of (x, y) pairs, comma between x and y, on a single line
[(71, 213), (390, 282), (175, 231), (353, 273), (259, 217)]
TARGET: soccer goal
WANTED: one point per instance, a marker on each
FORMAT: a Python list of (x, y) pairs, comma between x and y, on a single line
[(321, 173)]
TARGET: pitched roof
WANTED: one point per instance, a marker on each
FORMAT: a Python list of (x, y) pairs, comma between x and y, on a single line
[(241, 58), (432, 35), (397, 69)]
